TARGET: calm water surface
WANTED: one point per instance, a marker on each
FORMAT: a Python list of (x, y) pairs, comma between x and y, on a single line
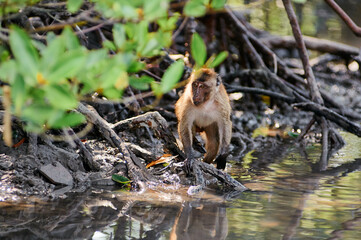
[(287, 201)]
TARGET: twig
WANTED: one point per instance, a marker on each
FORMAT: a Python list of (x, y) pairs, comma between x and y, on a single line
[(180, 28), (306, 129), (252, 53), (232, 88)]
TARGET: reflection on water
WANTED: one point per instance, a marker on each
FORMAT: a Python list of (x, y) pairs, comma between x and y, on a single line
[(288, 201)]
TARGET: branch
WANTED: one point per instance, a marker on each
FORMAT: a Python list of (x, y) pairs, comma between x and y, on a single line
[(351, 24), (331, 115), (222, 176), (321, 45)]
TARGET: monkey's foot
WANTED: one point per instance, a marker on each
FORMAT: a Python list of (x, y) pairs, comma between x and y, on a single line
[(188, 166), (221, 161)]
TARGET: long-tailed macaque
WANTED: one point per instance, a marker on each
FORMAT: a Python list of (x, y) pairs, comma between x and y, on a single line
[(204, 107)]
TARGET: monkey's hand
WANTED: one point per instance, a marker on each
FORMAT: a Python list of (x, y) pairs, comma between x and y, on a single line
[(188, 166)]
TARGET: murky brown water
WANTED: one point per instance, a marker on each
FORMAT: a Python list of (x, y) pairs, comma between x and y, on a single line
[(287, 201)]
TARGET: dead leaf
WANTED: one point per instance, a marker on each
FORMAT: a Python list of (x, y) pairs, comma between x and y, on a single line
[(163, 159)]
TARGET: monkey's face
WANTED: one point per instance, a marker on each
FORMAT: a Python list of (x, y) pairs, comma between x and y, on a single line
[(201, 92), (204, 85)]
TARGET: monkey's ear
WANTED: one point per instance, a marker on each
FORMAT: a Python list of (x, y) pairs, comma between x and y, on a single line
[(219, 80)]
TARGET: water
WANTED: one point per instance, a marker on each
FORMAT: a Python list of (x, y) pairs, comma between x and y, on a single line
[(287, 201)]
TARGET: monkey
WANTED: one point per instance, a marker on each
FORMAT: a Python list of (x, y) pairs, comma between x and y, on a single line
[(205, 107)]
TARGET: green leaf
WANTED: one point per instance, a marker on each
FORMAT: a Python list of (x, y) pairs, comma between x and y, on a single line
[(141, 33), (130, 29), (149, 49), (60, 97), (51, 53), (155, 9), (24, 52), (67, 66), (114, 76), (195, 9), (293, 134), (8, 71), (164, 39), (71, 119), (198, 50), (38, 114), (119, 35), (129, 12), (4, 54), (109, 45), (219, 59), (74, 5), (141, 83), (172, 76), (94, 57), (113, 93), (18, 93), (135, 67), (50, 36), (218, 4), (156, 88), (71, 40), (120, 179), (168, 24)]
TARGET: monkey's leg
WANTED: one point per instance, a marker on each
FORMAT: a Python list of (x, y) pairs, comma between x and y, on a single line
[(212, 142), (196, 144), (222, 158), (224, 151), (186, 136)]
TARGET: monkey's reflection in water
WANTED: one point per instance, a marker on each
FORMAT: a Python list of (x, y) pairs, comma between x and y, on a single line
[(205, 221), (191, 220)]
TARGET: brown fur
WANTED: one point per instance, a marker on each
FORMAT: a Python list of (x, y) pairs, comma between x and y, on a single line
[(205, 106)]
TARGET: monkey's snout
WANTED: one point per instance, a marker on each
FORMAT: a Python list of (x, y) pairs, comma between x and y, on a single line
[(196, 102)]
